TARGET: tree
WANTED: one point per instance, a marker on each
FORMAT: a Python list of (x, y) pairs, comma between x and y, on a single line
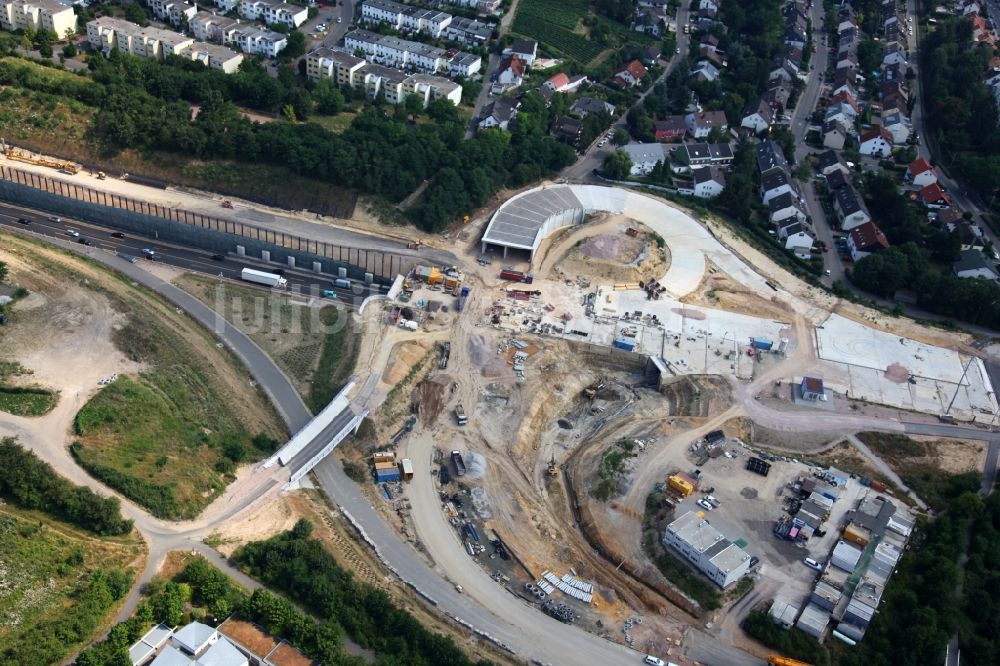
[(3, 271), (617, 165), (620, 137), (295, 45), (69, 51), (329, 100), (45, 50)]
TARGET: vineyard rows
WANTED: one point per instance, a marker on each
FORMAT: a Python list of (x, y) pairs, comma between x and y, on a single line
[(551, 22)]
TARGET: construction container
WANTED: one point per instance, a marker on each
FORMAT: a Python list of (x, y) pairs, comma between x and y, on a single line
[(390, 474), (680, 486), (428, 274), (761, 343), (406, 467), (855, 534), (628, 344), (384, 456)]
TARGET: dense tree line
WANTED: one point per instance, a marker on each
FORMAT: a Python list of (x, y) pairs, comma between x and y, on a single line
[(300, 567), (920, 259), (960, 108), (145, 105), (32, 484)]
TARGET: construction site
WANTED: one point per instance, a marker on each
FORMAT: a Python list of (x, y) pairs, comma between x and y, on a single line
[(564, 418)]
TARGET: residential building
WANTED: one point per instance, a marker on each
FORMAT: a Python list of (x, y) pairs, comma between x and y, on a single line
[(154, 639), (702, 123), (705, 154), (894, 54), (106, 33), (644, 156), (406, 18), (758, 117), (339, 67), (920, 173), (510, 73), (499, 113), (797, 238), (651, 20), (898, 126), (770, 157), (525, 49), (973, 264), (468, 31), (708, 182), (777, 96), (37, 15), (865, 239), (404, 54), (214, 56), (774, 184), (876, 142), (836, 179), (562, 82), (227, 5), (850, 209), (834, 134), (670, 128), (785, 206), (274, 11), (211, 27), (173, 12), (705, 70), (197, 644), (829, 161), (567, 129), (385, 81), (704, 546), (584, 106), (630, 74), (431, 88), (259, 41), (933, 196)]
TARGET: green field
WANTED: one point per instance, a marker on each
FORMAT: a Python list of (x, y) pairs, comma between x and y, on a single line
[(23, 400), (57, 586), (316, 347)]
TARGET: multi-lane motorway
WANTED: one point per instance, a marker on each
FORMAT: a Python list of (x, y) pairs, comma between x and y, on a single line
[(188, 258)]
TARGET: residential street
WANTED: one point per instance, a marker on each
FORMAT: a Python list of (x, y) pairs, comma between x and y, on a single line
[(593, 157), (491, 67)]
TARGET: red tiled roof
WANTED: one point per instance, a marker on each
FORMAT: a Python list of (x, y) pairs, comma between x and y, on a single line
[(868, 236), (875, 132), (517, 65), (918, 166), (932, 193), (558, 81)]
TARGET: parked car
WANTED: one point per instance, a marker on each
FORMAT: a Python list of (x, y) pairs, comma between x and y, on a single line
[(705, 505), (653, 661), (813, 564)]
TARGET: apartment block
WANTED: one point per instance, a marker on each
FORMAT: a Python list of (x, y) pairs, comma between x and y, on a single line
[(106, 33), (209, 27), (407, 18), (407, 55), (394, 85), (273, 11), (37, 15), (172, 11)]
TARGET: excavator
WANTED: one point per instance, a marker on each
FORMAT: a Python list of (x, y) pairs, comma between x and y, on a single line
[(777, 660)]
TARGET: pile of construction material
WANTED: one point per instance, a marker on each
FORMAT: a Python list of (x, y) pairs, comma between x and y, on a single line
[(561, 612), (570, 585)]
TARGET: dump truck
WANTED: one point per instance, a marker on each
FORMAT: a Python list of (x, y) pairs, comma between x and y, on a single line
[(445, 354), (460, 414), (456, 459), (463, 297), (260, 277)]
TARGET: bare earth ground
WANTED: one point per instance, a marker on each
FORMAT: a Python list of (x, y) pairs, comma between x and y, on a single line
[(718, 290), (601, 250)]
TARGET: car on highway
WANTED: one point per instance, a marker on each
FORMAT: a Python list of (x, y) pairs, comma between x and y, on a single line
[(56, 220), (149, 254), (23, 220), (329, 294), (218, 257), (117, 234), (73, 233), (84, 241)]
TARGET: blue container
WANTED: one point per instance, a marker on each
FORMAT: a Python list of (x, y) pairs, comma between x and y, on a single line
[(628, 344), (382, 475)]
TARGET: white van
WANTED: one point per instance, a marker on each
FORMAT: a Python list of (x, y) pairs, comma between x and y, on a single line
[(813, 564)]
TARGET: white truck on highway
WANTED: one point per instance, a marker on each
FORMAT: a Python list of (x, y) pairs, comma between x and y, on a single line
[(260, 277)]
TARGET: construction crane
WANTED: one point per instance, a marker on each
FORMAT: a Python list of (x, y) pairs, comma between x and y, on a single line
[(777, 660)]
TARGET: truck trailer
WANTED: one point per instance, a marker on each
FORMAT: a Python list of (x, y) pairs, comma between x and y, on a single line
[(456, 459), (260, 277), (516, 276), (460, 415)]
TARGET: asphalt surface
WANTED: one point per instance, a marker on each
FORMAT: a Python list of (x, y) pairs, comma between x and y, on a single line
[(189, 258)]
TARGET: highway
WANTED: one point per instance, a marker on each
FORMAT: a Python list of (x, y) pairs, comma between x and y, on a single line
[(188, 258)]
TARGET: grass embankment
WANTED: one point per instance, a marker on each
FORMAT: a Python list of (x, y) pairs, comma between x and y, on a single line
[(316, 347), (919, 465), (611, 469), (58, 586), (170, 438), (23, 400)]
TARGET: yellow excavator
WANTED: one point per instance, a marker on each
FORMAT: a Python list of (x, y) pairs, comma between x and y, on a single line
[(776, 660)]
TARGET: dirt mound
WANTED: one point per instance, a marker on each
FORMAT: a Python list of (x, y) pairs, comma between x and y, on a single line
[(481, 351), (404, 356), (429, 398)]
